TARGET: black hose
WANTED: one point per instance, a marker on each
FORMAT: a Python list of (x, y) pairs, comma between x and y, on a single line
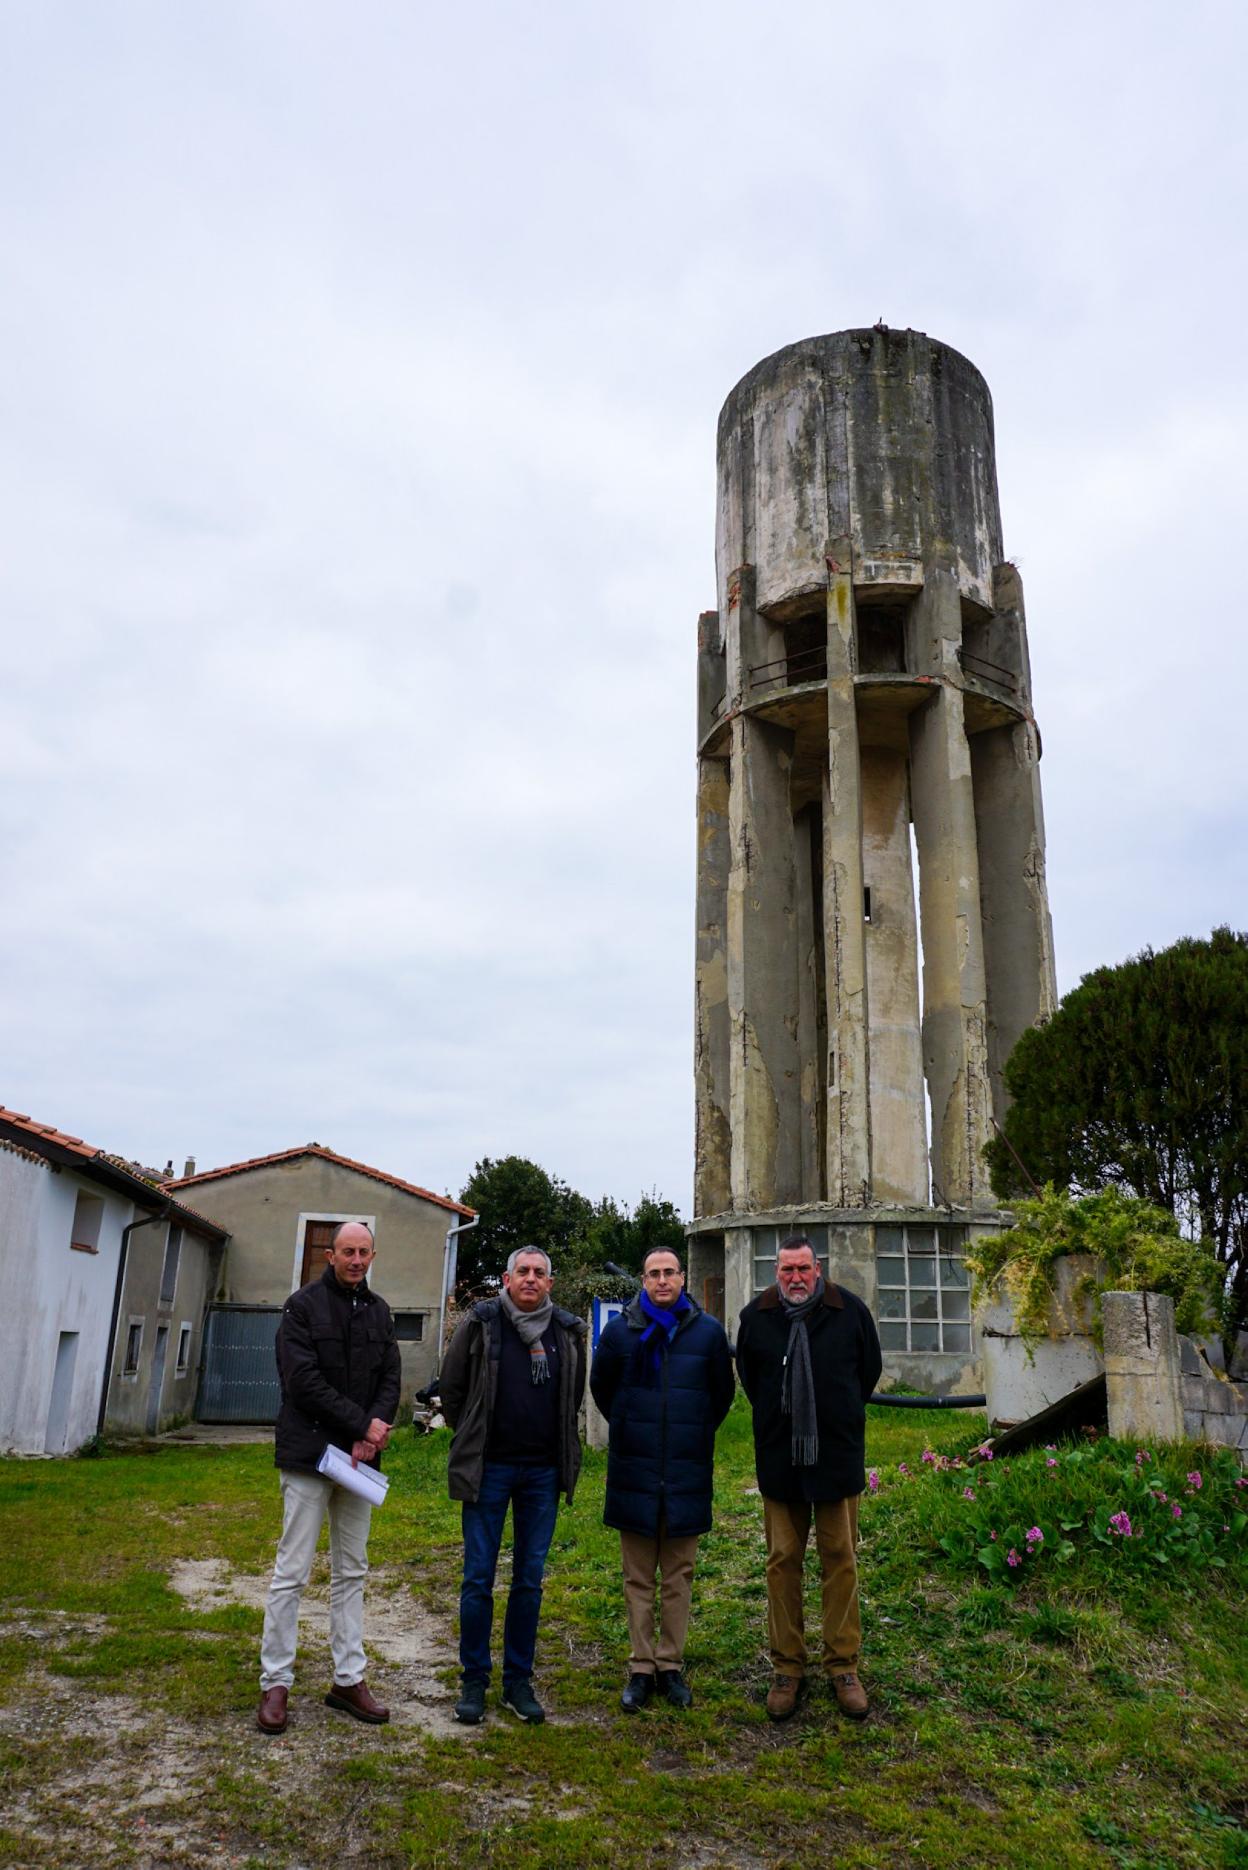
[(929, 1402)]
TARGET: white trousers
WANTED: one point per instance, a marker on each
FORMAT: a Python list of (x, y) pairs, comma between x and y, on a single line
[(306, 1498)]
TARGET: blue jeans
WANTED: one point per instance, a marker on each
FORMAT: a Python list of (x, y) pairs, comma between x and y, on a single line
[(533, 1494)]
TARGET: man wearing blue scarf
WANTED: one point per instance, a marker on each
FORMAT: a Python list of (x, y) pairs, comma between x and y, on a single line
[(662, 1376)]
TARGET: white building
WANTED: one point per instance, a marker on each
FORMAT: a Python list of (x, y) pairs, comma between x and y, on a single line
[(68, 1215)]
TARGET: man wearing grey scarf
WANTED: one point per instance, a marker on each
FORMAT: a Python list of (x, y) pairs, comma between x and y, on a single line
[(512, 1381), (809, 1358)]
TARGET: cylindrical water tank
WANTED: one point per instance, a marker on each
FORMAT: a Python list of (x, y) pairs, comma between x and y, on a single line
[(880, 437)]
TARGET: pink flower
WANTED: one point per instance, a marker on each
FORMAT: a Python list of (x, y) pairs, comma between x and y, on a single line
[(1163, 1497), (1050, 1447), (992, 1535), (1051, 1462), (984, 1450), (1194, 1481), (1176, 1511), (1035, 1536), (902, 1468), (968, 1493), (1241, 1482), (928, 1457), (873, 1480), (1012, 1558), (1121, 1524)]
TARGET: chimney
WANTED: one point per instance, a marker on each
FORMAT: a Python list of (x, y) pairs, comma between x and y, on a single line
[(190, 1167)]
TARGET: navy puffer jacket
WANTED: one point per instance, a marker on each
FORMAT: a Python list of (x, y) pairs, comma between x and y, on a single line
[(661, 1451)]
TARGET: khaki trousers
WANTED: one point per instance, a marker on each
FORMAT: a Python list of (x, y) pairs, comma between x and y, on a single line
[(672, 1561), (787, 1526)]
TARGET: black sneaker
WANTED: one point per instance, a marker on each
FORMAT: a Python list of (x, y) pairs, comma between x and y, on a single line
[(677, 1690), (637, 1693), (470, 1708), (523, 1703)]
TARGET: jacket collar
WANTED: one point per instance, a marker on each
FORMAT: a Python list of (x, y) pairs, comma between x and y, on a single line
[(362, 1292), (769, 1301), (488, 1309), (636, 1319)]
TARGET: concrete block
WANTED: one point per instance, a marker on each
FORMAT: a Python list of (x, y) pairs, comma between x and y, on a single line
[(1142, 1379), (1190, 1363), (1018, 1386), (1224, 1431)]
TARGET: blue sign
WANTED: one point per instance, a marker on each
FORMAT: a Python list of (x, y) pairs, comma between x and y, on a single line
[(604, 1310)]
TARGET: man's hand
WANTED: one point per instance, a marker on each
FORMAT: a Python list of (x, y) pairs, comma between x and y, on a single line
[(373, 1443)]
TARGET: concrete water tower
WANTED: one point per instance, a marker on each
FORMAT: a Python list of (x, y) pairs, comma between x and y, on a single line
[(873, 923)]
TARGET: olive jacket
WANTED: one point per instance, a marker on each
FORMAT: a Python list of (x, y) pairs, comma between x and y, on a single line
[(470, 1381)]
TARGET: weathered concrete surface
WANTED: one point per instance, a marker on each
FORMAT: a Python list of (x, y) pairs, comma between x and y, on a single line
[(848, 1094), (882, 436), (1215, 1408), (713, 1142), (955, 1011), (1020, 1381), (1142, 1366), (898, 1134), (762, 971), (864, 688)]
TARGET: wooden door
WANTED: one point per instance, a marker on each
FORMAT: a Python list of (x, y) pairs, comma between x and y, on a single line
[(317, 1236)]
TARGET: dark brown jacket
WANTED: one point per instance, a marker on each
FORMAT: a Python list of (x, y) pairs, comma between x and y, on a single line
[(469, 1384)]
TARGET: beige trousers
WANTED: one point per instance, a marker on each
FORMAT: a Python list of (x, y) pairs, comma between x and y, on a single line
[(787, 1526), (672, 1561), (306, 1499)]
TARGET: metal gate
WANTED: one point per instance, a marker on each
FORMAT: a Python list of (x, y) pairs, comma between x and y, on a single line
[(238, 1375)]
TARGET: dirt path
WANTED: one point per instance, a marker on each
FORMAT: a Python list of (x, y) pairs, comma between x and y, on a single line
[(414, 1646), (112, 1779)]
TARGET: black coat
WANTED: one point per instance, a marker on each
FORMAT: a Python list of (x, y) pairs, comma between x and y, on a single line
[(338, 1361), (846, 1363), (661, 1450)]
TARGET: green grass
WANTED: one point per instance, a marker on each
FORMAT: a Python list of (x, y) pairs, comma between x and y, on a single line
[(1086, 1707)]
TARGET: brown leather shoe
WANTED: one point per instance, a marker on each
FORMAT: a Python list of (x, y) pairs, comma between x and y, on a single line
[(783, 1696), (851, 1696), (272, 1716), (359, 1702)]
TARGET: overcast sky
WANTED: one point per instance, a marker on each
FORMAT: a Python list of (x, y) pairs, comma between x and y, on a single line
[(359, 371)]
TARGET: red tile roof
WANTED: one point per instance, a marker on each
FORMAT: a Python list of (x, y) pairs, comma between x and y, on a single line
[(326, 1155), (55, 1145)]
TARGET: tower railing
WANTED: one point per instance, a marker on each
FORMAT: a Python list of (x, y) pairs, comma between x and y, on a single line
[(804, 665)]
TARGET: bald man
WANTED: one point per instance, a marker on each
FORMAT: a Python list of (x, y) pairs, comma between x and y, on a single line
[(338, 1361)]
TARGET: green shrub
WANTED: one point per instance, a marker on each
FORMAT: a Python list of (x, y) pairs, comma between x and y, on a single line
[(1138, 1249)]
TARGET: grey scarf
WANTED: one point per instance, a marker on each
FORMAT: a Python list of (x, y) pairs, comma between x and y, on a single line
[(530, 1326), (797, 1390)]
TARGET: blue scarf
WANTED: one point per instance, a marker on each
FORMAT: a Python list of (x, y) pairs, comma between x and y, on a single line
[(664, 1320)]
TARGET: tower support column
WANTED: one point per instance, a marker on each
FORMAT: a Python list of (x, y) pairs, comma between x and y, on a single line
[(764, 1062), (845, 968), (712, 1182), (954, 991)]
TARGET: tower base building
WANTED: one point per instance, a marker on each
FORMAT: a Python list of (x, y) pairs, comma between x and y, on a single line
[(873, 930)]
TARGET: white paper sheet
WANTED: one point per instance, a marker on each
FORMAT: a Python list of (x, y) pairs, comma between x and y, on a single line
[(366, 1481)]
